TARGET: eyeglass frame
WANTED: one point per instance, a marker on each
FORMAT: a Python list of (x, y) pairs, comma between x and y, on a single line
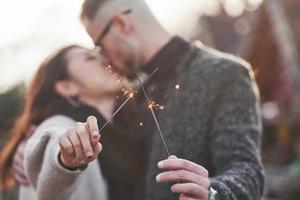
[(107, 28)]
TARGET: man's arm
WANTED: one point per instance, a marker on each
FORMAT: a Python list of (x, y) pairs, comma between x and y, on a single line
[(235, 138)]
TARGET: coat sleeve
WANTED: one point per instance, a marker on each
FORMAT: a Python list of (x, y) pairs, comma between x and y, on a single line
[(48, 177), (235, 138)]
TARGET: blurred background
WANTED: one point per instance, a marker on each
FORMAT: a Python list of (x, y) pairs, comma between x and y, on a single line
[(264, 32)]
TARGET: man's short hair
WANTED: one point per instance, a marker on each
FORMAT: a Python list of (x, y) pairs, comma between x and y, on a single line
[(90, 8)]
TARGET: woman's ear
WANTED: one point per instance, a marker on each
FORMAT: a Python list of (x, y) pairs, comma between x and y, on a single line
[(66, 88)]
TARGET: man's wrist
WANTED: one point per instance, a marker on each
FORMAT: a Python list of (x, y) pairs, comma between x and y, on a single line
[(212, 193)]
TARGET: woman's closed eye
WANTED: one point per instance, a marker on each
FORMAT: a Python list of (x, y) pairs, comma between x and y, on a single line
[(90, 57)]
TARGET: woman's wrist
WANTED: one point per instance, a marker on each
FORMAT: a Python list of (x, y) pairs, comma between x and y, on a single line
[(81, 167)]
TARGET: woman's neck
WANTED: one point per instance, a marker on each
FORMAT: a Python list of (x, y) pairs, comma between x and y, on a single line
[(104, 105)]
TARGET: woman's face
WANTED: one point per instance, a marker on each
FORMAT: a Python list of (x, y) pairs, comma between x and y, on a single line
[(88, 70)]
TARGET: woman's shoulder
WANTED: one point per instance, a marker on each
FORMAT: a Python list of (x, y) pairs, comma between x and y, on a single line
[(54, 122), (57, 120), (51, 128)]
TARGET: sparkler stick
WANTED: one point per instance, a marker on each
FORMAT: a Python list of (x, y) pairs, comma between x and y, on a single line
[(116, 112), (125, 102), (153, 114)]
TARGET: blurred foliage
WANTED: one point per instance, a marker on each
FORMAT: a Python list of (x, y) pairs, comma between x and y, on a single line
[(10, 106)]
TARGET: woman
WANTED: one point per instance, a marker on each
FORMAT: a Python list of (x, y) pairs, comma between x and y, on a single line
[(59, 157)]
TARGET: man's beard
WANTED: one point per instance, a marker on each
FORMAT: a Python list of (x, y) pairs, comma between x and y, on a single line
[(132, 65)]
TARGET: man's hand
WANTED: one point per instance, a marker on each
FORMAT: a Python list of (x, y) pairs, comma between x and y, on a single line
[(18, 165), (80, 145), (192, 181), (18, 160)]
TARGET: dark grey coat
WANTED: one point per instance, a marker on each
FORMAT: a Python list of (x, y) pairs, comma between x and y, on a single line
[(213, 120)]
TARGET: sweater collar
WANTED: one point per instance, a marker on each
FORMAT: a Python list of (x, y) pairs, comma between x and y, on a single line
[(169, 55)]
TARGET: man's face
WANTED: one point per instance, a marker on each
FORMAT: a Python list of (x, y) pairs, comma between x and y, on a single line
[(117, 42)]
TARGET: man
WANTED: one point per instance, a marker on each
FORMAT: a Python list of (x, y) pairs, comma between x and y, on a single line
[(211, 119)]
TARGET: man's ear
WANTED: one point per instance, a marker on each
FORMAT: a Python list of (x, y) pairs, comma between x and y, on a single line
[(66, 88), (123, 22)]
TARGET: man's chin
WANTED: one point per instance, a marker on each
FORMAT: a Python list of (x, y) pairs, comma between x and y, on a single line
[(130, 75), (116, 70), (125, 71)]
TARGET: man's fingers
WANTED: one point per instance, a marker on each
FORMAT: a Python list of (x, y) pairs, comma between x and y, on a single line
[(66, 145), (85, 140), (190, 190), (18, 168), (182, 176), (177, 164), (21, 179), (93, 128), (188, 197), (19, 174), (172, 157)]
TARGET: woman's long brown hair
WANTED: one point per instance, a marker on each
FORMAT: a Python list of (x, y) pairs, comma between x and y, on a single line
[(41, 102)]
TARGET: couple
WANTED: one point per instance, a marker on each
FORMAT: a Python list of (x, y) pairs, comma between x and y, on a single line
[(211, 120)]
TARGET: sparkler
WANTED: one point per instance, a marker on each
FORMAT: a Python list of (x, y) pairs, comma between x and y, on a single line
[(129, 93), (116, 112), (150, 106)]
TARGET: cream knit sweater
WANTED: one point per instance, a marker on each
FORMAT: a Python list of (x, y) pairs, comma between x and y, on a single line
[(51, 181)]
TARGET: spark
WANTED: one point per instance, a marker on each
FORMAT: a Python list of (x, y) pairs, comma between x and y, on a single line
[(128, 92), (129, 96), (141, 124), (153, 104), (153, 114), (177, 87), (115, 113), (161, 107)]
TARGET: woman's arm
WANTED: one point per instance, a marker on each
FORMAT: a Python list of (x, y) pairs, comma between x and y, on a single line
[(46, 173)]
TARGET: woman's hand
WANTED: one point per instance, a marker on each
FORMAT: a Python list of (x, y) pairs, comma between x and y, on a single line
[(80, 145), (191, 180)]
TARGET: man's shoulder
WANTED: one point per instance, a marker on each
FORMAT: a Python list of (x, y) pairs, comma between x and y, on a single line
[(211, 60)]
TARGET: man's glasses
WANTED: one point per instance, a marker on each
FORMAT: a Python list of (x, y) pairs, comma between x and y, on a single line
[(107, 28)]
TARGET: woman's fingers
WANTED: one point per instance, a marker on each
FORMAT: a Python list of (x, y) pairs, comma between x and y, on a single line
[(79, 145), (97, 148), (85, 140), (93, 129), (75, 140), (66, 145)]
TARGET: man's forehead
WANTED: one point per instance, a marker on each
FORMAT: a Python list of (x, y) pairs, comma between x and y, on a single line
[(92, 27), (103, 15)]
